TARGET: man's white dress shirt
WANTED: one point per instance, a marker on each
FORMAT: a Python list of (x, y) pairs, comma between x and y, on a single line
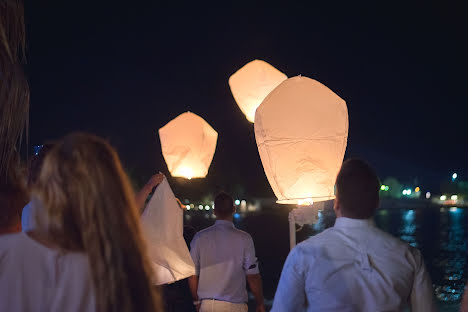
[(354, 266), (223, 256)]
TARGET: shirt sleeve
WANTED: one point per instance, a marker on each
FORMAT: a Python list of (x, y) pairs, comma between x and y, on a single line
[(195, 254), (250, 260), (421, 299), (290, 294)]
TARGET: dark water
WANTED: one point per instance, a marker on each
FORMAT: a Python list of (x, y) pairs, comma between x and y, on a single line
[(440, 233)]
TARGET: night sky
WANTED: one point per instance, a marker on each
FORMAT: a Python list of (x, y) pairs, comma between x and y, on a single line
[(122, 71)]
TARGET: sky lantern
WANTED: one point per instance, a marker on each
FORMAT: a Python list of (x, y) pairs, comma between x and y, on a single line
[(301, 129), (252, 83), (162, 224), (188, 144)]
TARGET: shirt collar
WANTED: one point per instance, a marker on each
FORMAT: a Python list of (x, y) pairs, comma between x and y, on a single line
[(344, 222), (224, 223)]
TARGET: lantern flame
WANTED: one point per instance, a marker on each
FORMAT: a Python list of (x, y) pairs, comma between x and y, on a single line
[(185, 172), (305, 202)]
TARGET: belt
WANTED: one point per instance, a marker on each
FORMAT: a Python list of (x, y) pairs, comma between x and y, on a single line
[(214, 299)]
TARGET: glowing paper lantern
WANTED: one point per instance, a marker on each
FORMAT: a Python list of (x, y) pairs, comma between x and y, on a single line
[(301, 129), (188, 144), (252, 83)]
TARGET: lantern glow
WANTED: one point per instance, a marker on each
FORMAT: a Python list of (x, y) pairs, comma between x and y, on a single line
[(184, 171), (301, 129), (252, 83), (305, 202), (188, 144)]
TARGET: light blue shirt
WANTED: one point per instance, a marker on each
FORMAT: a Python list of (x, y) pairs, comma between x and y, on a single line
[(354, 267), (223, 256), (28, 221), (33, 215)]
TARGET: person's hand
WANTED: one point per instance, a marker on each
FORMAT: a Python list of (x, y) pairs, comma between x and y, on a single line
[(142, 195), (260, 308), (182, 206), (155, 180)]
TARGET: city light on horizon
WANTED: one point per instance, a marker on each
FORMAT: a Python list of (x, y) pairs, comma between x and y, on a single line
[(407, 192)]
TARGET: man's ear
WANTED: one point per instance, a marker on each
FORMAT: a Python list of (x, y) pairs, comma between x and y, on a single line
[(337, 207)]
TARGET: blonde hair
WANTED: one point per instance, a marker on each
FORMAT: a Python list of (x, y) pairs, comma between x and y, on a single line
[(91, 208)]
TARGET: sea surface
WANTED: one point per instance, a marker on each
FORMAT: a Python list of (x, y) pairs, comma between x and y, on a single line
[(441, 233)]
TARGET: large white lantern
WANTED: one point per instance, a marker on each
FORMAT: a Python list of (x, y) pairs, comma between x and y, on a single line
[(301, 129), (188, 144), (252, 83), (162, 223)]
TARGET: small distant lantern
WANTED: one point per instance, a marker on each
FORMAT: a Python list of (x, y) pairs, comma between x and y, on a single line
[(301, 129), (252, 83), (188, 144)]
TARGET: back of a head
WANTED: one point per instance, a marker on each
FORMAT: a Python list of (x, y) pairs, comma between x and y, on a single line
[(223, 205), (90, 207), (357, 188)]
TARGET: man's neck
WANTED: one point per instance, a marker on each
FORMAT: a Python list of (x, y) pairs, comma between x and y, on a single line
[(225, 219)]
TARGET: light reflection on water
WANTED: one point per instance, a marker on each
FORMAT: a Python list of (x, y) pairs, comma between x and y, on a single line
[(408, 228), (440, 235), (451, 259)]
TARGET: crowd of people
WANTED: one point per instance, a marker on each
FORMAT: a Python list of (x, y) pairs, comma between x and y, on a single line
[(79, 247)]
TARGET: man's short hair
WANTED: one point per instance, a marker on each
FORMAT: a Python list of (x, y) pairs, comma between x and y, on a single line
[(357, 188), (223, 204)]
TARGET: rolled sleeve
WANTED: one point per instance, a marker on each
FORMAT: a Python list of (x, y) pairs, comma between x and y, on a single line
[(195, 254), (250, 260)]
